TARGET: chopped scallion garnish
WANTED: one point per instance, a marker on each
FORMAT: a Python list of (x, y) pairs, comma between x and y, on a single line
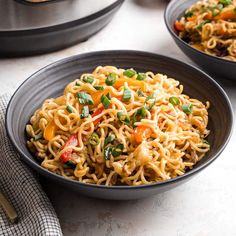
[(94, 139), (206, 142), (199, 27), (111, 79), (174, 101), (126, 95), (140, 93), (129, 73), (117, 151), (98, 87), (187, 108), (123, 118), (69, 109), (38, 136), (109, 139), (77, 83), (141, 76), (188, 14), (85, 98), (105, 101), (88, 79), (70, 164), (84, 112), (225, 3), (107, 153)]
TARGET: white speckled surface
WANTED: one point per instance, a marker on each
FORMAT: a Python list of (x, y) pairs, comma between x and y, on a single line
[(204, 206)]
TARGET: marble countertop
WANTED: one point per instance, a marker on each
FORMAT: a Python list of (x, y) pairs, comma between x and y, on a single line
[(204, 206)]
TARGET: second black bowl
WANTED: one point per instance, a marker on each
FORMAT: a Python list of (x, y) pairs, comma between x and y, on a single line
[(51, 80), (215, 66)]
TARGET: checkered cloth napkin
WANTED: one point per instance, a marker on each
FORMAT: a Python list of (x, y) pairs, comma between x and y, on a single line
[(18, 183)]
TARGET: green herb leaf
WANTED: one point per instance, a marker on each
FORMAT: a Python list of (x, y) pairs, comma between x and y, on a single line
[(84, 112), (109, 139), (174, 101), (94, 139), (111, 79), (129, 73), (105, 101), (123, 117), (85, 98), (98, 87), (117, 151), (141, 76), (107, 153), (69, 109), (88, 79), (126, 95), (187, 108)]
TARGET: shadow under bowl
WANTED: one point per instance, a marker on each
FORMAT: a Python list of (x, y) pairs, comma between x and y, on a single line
[(51, 80), (215, 66)]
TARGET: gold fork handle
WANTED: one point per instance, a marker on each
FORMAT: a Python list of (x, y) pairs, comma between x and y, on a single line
[(8, 208)]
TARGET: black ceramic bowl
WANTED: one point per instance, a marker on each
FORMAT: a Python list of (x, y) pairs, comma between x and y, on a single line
[(215, 66), (51, 80)]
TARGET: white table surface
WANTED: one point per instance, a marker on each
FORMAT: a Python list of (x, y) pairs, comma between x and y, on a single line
[(204, 206)]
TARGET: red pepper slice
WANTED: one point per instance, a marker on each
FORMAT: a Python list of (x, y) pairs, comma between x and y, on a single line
[(72, 141), (97, 112)]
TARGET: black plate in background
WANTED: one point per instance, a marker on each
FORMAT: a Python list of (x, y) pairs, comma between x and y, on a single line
[(28, 29)]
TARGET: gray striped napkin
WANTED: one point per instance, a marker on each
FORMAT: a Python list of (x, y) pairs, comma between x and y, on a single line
[(18, 183)]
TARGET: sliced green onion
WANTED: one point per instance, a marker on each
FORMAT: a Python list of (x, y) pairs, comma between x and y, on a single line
[(141, 76), (94, 139), (85, 98), (123, 118), (70, 164), (142, 112), (38, 136), (98, 87), (111, 79), (187, 108), (126, 95), (107, 153), (77, 84), (69, 109), (225, 3), (117, 151), (199, 27), (129, 73), (109, 139), (235, 9), (84, 112), (105, 101), (88, 79), (174, 101), (188, 14), (152, 96), (206, 142), (150, 106), (140, 93), (108, 96)]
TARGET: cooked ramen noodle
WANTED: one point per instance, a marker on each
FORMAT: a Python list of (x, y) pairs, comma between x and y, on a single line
[(120, 127), (210, 26)]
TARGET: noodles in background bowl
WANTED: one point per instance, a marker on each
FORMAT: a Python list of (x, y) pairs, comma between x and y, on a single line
[(210, 26), (120, 127)]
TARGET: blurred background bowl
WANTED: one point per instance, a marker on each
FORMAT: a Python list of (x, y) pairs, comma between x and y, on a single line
[(215, 66), (51, 80)]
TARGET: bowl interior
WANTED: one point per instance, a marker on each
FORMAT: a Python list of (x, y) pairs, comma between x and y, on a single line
[(51, 80)]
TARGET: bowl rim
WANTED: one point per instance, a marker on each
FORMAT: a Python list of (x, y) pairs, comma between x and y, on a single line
[(33, 164), (65, 25), (173, 33)]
